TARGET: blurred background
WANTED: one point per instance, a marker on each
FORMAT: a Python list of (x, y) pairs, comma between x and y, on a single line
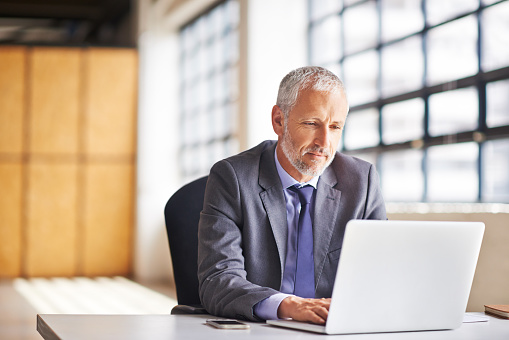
[(108, 107)]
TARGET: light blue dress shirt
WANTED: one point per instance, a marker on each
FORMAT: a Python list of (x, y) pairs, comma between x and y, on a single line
[(267, 309)]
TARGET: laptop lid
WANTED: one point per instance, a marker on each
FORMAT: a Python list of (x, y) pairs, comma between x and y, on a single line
[(396, 276), (403, 276)]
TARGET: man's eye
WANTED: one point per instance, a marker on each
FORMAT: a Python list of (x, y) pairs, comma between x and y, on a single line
[(336, 127), (310, 123)]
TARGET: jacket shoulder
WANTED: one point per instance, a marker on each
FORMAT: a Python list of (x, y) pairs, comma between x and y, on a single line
[(249, 158), (351, 163)]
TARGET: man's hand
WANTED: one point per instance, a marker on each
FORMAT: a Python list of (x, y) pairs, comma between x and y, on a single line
[(300, 309)]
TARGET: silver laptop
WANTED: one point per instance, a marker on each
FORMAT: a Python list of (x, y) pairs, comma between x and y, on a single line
[(396, 276)]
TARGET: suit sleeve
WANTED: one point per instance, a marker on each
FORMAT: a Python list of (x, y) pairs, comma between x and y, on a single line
[(224, 289), (375, 205)]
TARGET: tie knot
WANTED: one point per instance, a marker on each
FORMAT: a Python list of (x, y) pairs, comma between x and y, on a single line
[(304, 193)]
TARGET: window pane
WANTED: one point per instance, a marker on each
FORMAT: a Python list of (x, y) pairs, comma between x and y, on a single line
[(232, 12), (362, 23), (350, 2), (231, 147), (214, 24), (187, 134), (495, 169), (403, 121), (370, 157), (497, 102), (439, 10), (334, 68), (360, 73), (495, 36), (326, 41), (453, 111), (452, 173), (401, 175), (185, 39), (402, 67), (400, 18), (453, 50), (218, 56), (203, 29), (231, 117), (186, 161), (320, 8), (202, 159), (231, 52), (361, 129), (209, 87), (202, 92)]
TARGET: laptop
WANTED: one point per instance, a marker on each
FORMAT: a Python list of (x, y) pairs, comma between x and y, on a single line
[(398, 276)]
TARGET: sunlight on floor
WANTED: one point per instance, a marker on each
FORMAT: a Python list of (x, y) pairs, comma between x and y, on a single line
[(102, 295)]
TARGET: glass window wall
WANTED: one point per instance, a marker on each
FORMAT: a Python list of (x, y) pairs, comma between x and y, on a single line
[(428, 88), (209, 53)]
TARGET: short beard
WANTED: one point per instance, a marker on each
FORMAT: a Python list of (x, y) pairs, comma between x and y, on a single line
[(291, 153)]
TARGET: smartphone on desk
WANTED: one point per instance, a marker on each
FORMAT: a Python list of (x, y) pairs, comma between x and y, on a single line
[(227, 324)]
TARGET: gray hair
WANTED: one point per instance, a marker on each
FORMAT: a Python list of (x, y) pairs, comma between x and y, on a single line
[(305, 78)]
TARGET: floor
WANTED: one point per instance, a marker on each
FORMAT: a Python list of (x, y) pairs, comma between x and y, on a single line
[(21, 300)]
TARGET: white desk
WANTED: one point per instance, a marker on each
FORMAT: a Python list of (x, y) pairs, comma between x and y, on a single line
[(127, 327)]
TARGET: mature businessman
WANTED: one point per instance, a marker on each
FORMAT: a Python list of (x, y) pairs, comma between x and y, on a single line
[(273, 220)]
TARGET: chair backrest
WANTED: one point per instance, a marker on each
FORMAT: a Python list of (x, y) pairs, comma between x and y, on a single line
[(182, 214)]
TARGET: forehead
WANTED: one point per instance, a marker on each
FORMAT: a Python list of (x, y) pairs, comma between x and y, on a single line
[(311, 103)]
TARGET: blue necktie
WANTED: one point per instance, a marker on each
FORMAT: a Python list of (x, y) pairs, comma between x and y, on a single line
[(305, 272)]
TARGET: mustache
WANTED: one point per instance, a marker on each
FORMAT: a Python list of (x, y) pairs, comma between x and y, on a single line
[(318, 150)]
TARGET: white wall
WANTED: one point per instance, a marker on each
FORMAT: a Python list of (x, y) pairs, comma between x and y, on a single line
[(157, 176)]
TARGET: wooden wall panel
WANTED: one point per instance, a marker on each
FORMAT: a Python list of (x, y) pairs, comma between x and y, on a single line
[(12, 97), (67, 160), (111, 87), (52, 219), (109, 196), (10, 219), (54, 100)]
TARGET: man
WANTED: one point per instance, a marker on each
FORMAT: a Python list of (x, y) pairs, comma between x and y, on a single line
[(264, 250)]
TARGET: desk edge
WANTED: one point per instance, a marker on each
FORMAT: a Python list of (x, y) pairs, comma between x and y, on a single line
[(45, 330)]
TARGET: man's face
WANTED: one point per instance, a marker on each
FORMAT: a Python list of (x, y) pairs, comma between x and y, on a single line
[(310, 136)]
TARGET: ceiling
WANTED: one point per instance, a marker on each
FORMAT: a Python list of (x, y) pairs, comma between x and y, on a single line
[(66, 22)]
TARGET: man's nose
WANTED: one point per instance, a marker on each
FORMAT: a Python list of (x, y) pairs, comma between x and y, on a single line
[(322, 137)]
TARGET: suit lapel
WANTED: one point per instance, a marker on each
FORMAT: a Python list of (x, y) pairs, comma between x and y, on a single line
[(273, 200), (325, 215)]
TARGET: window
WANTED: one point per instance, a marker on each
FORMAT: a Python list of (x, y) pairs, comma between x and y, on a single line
[(209, 49), (365, 120), (428, 84), (402, 175), (495, 40), (453, 111), (452, 172), (497, 96), (496, 168), (403, 121), (451, 50), (402, 67)]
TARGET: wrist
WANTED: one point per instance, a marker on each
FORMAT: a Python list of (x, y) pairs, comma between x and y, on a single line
[(286, 307)]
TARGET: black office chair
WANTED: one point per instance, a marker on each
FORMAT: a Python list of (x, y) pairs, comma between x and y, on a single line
[(182, 214)]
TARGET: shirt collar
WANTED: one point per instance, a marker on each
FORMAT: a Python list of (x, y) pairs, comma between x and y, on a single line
[(287, 180)]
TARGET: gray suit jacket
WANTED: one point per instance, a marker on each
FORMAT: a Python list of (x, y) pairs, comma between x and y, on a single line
[(242, 233)]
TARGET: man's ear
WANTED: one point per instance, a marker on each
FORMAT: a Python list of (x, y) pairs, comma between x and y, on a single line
[(278, 120)]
